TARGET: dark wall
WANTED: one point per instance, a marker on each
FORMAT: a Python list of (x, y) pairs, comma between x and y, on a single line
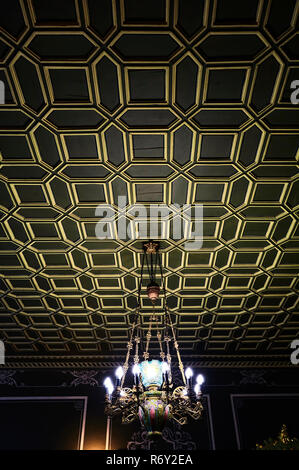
[(64, 409)]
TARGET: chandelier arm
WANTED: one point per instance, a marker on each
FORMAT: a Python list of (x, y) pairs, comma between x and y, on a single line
[(117, 408), (159, 337), (176, 345), (162, 353), (166, 325), (162, 279), (149, 335), (168, 356), (137, 342), (129, 347)]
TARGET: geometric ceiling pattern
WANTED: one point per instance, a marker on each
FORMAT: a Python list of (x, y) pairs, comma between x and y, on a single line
[(164, 102)]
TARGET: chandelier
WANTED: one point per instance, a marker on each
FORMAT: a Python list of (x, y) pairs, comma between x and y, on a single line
[(154, 396)]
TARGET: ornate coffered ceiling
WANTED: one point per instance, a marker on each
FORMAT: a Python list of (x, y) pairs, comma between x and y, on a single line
[(162, 101)]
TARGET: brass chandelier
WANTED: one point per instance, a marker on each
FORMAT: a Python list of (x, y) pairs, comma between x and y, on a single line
[(153, 397)]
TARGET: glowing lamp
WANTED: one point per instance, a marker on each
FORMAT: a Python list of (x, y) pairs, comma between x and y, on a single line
[(119, 373), (151, 373), (188, 373), (109, 386), (200, 379), (136, 369)]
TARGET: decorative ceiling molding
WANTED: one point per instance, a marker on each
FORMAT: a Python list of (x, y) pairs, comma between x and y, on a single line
[(108, 362)]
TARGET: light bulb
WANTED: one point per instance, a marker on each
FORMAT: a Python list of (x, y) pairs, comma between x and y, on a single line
[(200, 379), (150, 372), (188, 373), (107, 382), (184, 392), (119, 372), (109, 385), (197, 389), (165, 367), (136, 369), (122, 393)]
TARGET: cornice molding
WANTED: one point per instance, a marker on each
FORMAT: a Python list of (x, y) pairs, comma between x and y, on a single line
[(107, 362)]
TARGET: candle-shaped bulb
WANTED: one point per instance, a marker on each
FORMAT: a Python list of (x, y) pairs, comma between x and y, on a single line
[(136, 369), (119, 373), (200, 379), (109, 386), (188, 373)]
